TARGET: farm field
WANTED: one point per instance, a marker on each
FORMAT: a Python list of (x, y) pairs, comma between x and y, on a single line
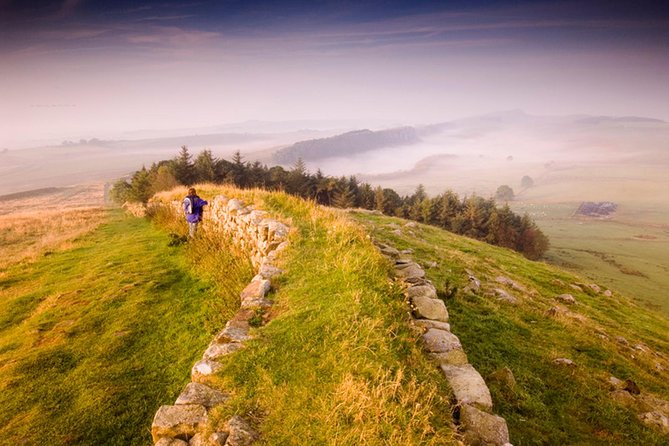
[(623, 252)]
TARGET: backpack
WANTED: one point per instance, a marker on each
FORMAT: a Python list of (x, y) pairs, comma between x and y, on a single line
[(188, 206)]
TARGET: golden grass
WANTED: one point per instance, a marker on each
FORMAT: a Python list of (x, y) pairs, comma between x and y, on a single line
[(31, 226)]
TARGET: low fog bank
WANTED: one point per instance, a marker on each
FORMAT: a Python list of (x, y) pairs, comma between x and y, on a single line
[(477, 155)]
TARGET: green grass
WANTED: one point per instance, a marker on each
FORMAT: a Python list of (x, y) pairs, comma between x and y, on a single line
[(550, 404), (611, 251), (337, 364), (94, 339)]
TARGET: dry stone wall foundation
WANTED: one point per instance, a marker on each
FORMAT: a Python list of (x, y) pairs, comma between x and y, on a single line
[(472, 396), (185, 422)]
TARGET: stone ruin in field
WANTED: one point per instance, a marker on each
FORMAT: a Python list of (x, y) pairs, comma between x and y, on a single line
[(596, 209)]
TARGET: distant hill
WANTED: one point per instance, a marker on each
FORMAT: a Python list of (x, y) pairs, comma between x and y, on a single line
[(349, 143)]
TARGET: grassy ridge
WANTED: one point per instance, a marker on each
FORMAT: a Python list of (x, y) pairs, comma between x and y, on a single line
[(550, 404), (337, 364), (95, 338)]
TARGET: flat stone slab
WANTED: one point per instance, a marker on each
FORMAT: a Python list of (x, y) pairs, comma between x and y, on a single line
[(657, 420), (427, 323), (566, 298), (178, 421), (196, 393), (234, 331), (262, 302), (483, 428), (513, 284), (256, 289), (426, 308), (171, 442), (217, 351), (215, 439), (240, 432), (268, 271), (409, 270), (467, 385), (440, 341), (204, 368), (428, 291)]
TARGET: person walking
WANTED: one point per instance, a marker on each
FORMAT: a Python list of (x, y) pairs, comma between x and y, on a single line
[(193, 205)]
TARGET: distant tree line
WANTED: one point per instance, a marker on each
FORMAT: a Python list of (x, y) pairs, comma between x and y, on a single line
[(472, 216)]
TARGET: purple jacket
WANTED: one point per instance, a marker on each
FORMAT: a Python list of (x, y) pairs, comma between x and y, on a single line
[(193, 208)]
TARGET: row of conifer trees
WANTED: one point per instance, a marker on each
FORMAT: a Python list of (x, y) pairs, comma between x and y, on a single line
[(472, 216)]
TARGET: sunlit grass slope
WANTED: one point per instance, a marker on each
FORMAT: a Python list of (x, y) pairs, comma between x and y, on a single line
[(95, 338), (337, 364), (603, 336)]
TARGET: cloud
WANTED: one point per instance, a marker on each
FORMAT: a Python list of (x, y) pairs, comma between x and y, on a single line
[(68, 7), (173, 36), (165, 18)]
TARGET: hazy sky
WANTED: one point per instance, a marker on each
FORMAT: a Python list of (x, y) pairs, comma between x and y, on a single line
[(84, 68)]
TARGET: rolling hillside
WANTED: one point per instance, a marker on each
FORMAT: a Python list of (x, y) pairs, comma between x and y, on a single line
[(337, 361)]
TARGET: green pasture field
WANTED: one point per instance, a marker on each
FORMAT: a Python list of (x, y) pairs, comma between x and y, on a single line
[(628, 252)]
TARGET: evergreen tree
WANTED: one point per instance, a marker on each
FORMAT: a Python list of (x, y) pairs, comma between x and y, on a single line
[(183, 167), (205, 167), (140, 186), (449, 209), (379, 199), (297, 179), (343, 196), (237, 174), (366, 196)]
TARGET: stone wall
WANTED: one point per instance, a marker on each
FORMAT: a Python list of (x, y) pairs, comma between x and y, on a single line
[(478, 424), (185, 422)]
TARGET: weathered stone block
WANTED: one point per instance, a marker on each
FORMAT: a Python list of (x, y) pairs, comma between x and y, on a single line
[(234, 331), (388, 251), (409, 270), (196, 393), (467, 385), (657, 420), (204, 368), (440, 341), (428, 291), (513, 284), (216, 350), (240, 432), (256, 289), (180, 422), (268, 271), (481, 428), (426, 308), (427, 323), (567, 298), (234, 206), (165, 441)]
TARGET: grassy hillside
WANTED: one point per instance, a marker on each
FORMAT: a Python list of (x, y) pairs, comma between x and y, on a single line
[(604, 336), (94, 338), (96, 335)]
